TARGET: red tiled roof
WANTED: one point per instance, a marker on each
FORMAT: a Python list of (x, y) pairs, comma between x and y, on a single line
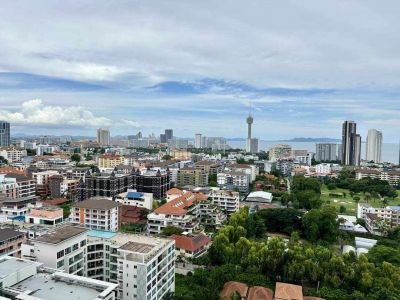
[(11, 170), (179, 205), (231, 287), (368, 171), (55, 201), (190, 243), (131, 215), (260, 293), (241, 166), (174, 191), (286, 291)]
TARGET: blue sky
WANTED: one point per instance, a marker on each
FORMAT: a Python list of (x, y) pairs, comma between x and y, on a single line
[(195, 66)]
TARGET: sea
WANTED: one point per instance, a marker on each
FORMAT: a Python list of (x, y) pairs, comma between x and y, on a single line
[(390, 151)]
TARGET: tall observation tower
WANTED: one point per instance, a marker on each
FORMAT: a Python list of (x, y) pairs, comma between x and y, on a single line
[(251, 143), (249, 121)]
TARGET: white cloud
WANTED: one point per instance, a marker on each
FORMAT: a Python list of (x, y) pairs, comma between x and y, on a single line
[(35, 112), (279, 43)]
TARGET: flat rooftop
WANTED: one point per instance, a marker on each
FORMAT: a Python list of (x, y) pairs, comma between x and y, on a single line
[(97, 203), (61, 234), (138, 247), (45, 286), (7, 233), (13, 264)]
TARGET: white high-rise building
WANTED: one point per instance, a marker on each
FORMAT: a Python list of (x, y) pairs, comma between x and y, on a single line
[(198, 141), (325, 152), (374, 146), (103, 137)]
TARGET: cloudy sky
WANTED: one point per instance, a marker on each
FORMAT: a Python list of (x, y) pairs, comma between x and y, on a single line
[(68, 68)]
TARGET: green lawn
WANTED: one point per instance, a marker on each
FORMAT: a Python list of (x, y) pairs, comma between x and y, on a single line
[(347, 201)]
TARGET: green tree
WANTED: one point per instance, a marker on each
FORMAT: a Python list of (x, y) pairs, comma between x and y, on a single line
[(76, 158), (321, 224), (170, 230)]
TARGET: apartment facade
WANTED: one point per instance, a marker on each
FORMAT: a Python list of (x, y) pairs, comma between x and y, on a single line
[(391, 176), (144, 267), (226, 200), (149, 181), (192, 176), (62, 249), (325, 152), (96, 213), (42, 180), (12, 154), (10, 242), (110, 161), (233, 180), (17, 186)]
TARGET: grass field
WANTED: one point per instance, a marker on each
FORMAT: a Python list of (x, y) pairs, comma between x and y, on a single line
[(348, 202)]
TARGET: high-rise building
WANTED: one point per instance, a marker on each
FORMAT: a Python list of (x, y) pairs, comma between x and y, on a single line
[(163, 140), (351, 144), (325, 152), (374, 146), (103, 137), (169, 134), (4, 134), (197, 141)]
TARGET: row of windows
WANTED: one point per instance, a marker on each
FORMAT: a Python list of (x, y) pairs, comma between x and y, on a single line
[(68, 250)]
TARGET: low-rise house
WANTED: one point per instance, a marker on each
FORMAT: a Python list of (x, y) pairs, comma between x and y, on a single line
[(45, 215), (349, 223), (191, 246), (134, 215), (233, 290), (286, 291), (259, 197)]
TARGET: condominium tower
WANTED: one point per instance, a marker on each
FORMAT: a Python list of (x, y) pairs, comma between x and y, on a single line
[(325, 152), (374, 146), (4, 134), (351, 144), (103, 137), (197, 141)]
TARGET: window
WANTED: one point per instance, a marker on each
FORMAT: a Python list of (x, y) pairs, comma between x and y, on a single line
[(60, 254), (60, 263)]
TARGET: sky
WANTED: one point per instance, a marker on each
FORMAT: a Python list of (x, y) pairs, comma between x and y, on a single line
[(69, 67)]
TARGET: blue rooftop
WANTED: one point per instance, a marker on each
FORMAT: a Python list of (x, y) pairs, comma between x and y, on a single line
[(101, 234), (395, 207), (134, 195)]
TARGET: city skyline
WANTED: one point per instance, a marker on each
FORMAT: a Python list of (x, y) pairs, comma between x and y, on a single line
[(151, 61)]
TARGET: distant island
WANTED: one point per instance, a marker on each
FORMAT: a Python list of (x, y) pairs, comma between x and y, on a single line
[(312, 140), (298, 140)]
